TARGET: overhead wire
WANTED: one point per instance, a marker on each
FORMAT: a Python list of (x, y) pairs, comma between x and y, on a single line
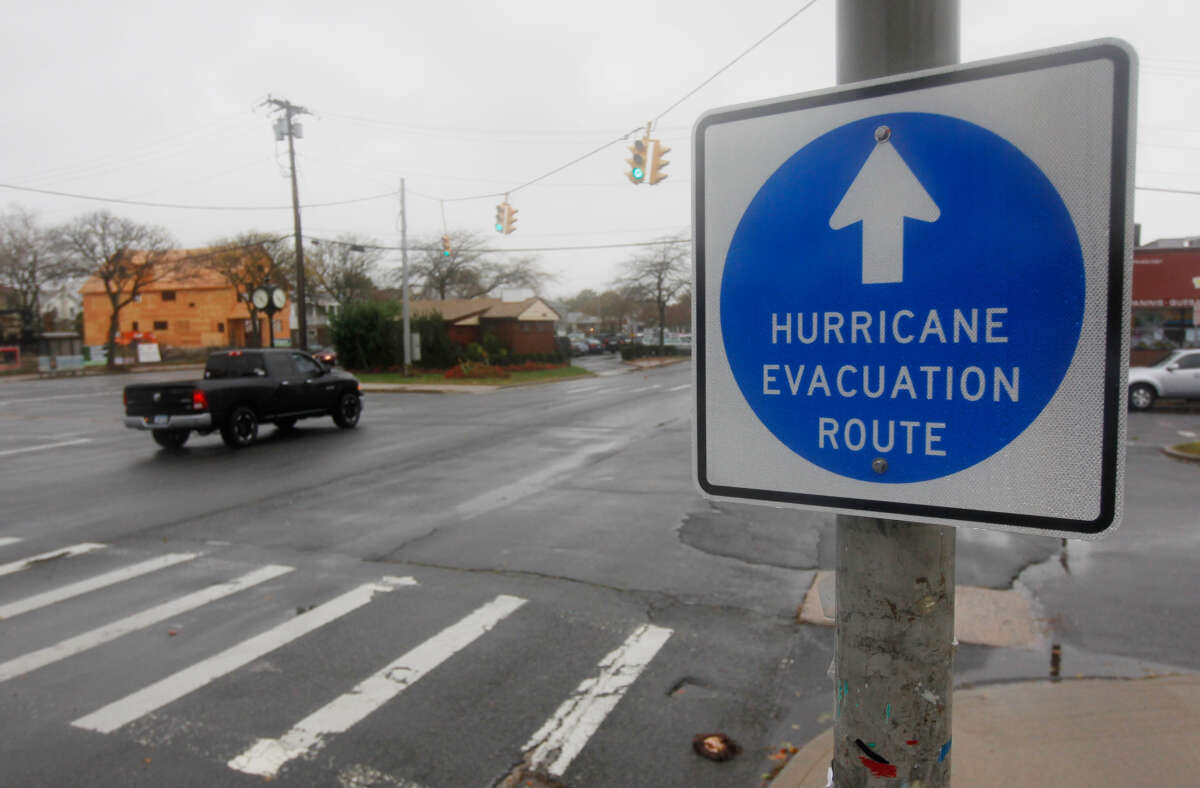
[(179, 206), (655, 119)]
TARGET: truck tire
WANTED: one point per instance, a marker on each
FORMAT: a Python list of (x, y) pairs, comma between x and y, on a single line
[(1141, 396), (170, 439), (348, 409), (241, 428)]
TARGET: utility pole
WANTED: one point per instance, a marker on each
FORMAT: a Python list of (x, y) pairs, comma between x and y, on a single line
[(894, 658), (404, 281), (290, 110)]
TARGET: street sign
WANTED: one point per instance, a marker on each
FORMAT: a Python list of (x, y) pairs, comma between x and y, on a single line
[(911, 294)]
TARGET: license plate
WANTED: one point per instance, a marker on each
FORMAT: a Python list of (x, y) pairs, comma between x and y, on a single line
[(162, 419)]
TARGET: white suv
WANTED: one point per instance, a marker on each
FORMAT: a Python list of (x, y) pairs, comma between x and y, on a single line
[(1177, 375)]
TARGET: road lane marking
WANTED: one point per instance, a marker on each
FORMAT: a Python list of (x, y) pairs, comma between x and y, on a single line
[(7, 540), (564, 735), (96, 637), (539, 480), (681, 388), (1187, 434), (44, 446), (266, 756), (183, 682), (581, 390), (33, 560), (58, 396), (14, 609), (647, 388)]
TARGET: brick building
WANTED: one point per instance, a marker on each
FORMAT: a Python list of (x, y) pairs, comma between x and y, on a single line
[(187, 305), (523, 326), (1165, 298)]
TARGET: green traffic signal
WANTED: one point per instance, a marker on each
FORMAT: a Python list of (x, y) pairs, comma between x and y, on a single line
[(638, 173)]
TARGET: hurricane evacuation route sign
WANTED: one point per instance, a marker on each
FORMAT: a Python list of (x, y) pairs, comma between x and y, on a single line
[(911, 294)]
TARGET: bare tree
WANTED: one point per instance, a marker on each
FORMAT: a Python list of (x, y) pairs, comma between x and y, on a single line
[(343, 269), (126, 257), (658, 275), (246, 262), (469, 271), (28, 266)]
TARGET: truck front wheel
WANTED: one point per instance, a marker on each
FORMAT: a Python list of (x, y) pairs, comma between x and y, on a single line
[(171, 439), (348, 409), (241, 428)]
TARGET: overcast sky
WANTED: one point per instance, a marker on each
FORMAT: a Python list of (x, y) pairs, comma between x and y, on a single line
[(160, 102)]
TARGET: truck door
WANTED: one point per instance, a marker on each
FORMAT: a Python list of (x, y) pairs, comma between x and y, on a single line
[(318, 389)]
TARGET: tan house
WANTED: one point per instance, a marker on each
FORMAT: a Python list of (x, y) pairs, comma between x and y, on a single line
[(187, 305), (523, 326)]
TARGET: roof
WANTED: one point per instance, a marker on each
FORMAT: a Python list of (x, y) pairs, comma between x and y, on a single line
[(185, 271), (458, 310)]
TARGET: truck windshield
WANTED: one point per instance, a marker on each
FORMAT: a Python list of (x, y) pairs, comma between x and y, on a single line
[(234, 365)]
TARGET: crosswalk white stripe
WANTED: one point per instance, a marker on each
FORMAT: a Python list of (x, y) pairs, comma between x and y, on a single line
[(7, 540), (564, 735), (80, 643), (175, 686), (267, 756), (14, 609), (66, 552)]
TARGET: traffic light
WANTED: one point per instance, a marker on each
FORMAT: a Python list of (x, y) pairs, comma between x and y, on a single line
[(445, 246), (506, 218), (637, 162), (658, 163)]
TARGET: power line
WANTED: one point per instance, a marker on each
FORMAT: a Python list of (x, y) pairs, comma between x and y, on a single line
[(1167, 191), (626, 136), (728, 65), (179, 206), (383, 247)]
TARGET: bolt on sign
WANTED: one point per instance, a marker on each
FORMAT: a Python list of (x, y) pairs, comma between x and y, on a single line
[(912, 294)]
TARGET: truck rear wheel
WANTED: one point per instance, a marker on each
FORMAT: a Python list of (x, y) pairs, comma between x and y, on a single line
[(171, 439), (241, 428)]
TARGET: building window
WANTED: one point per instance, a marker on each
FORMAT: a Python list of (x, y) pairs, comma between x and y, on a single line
[(135, 328), (168, 295), (220, 328), (160, 325), (137, 299)]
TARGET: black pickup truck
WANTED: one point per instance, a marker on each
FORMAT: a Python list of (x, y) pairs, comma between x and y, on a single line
[(242, 389)]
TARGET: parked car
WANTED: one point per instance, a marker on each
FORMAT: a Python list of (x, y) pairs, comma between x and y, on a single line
[(579, 347), (240, 390), (594, 346), (1176, 376), (612, 344)]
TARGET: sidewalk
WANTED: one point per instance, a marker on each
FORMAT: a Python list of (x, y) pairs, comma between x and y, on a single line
[(1077, 732)]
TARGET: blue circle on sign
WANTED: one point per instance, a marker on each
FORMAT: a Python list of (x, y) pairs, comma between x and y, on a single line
[(908, 288)]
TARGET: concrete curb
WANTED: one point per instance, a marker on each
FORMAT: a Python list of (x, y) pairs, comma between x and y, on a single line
[(427, 388), (985, 616)]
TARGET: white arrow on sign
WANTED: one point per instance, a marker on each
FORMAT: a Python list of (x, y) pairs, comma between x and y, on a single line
[(884, 192)]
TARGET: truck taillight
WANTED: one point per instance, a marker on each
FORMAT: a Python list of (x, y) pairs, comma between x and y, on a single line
[(199, 401)]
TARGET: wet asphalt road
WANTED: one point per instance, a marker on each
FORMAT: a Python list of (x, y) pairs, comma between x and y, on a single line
[(572, 499)]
